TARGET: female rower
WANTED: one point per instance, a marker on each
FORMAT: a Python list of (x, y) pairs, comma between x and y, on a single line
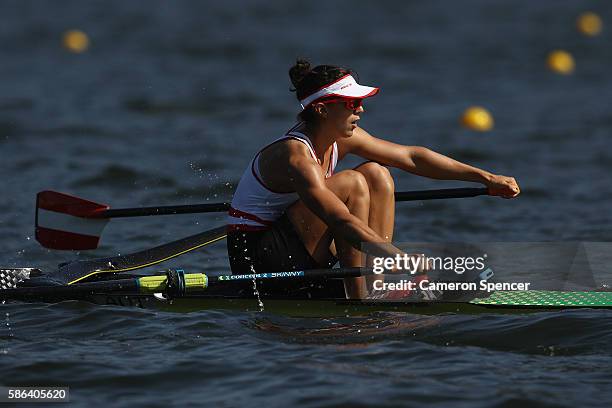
[(291, 211)]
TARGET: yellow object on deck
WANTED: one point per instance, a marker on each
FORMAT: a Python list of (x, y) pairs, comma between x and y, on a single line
[(157, 284)]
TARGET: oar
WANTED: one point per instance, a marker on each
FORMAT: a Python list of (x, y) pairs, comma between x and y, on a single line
[(174, 283), (72, 223), (67, 222)]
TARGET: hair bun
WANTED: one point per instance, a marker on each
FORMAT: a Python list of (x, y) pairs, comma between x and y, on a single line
[(299, 71)]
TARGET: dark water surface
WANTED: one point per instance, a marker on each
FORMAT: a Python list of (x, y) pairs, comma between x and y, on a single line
[(170, 103)]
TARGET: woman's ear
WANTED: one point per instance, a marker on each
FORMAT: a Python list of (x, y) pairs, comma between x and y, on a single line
[(320, 109)]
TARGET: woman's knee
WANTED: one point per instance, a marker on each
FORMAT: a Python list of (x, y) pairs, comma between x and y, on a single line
[(359, 183), (378, 177), (349, 185)]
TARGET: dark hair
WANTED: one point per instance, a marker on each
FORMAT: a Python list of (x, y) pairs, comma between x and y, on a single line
[(307, 80)]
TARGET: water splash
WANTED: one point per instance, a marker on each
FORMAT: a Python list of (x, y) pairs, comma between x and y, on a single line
[(5, 350), (255, 290)]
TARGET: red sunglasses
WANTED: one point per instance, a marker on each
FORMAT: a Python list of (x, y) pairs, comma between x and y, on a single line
[(351, 104)]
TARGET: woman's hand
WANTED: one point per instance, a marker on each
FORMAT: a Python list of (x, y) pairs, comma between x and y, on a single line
[(503, 186)]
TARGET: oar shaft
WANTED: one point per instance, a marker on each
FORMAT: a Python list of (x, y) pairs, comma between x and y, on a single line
[(143, 285), (220, 207), (193, 283), (163, 210), (309, 274), (440, 194)]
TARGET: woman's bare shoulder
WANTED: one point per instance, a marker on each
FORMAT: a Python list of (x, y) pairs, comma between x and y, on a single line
[(285, 148)]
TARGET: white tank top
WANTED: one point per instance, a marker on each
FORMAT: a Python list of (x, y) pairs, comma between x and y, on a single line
[(254, 206)]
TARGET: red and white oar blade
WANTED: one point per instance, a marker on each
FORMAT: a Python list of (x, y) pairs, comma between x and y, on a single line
[(67, 222)]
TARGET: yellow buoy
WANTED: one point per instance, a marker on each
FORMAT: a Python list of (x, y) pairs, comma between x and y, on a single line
[(75, 41), (477, 118), (561, 62), (589, 23)]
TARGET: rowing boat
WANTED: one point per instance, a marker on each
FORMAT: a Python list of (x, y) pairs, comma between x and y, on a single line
[(69, 222), (311, 293), (499, 302)]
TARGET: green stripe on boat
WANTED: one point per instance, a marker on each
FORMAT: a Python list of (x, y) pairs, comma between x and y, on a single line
[(547, 298)]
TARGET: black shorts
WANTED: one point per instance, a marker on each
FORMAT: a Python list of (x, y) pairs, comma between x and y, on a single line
[(276, 249)]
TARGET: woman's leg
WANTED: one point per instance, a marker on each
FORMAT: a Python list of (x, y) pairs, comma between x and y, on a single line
[(382, 206), (382, 198), (352, 188)]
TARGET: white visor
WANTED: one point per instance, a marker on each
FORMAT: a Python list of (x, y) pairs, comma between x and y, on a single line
[(345, 87)]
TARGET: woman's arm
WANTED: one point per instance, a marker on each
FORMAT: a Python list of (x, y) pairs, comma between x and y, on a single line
[(425, 162), (308, 181)]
